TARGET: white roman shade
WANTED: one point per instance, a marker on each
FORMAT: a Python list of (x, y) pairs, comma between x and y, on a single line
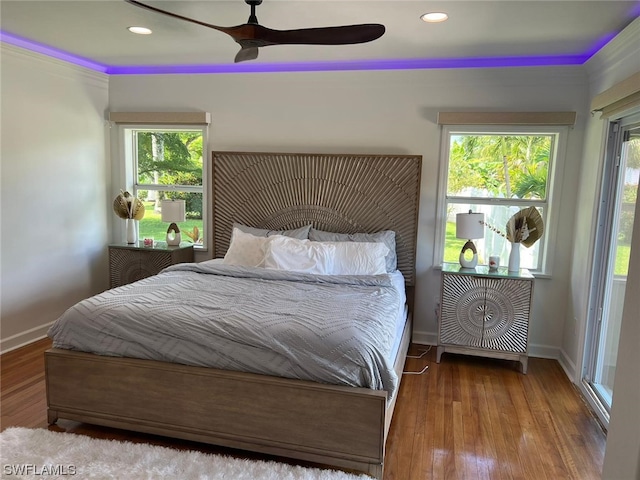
[(161, 118), (506, 118), (622, 97)]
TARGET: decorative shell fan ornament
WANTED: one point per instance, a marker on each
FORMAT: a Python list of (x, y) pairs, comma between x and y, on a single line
[(525, 227), (126, 206)]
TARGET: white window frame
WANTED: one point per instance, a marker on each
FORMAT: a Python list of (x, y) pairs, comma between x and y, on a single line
[(545, 258), (128, 164)]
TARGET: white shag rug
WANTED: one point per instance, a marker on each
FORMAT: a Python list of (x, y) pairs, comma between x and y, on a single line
[(43, 454)]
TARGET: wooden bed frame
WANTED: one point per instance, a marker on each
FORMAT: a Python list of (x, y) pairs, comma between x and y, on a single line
[(339, 426)]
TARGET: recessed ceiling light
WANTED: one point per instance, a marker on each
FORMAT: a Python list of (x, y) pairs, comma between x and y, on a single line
[(140, 30), (434, 17)]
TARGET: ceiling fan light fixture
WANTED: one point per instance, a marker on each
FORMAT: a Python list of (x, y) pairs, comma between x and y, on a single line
[(140, 30), (434, 17)]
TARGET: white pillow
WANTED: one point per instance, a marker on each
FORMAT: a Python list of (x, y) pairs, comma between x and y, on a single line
[(286, 253), (388, 237), (359, 258), (245, 250), (325, 258)]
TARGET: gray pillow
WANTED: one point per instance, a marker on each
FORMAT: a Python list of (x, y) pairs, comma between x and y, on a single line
[(388, 237), (301, 233)]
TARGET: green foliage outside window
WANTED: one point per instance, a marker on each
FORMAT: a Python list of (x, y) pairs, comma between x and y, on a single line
[(486, 172), (502, 166), (169, 166), (168, 153), (193, 201)]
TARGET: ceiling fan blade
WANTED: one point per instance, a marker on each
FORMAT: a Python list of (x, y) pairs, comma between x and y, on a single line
[(175, 15), (252, 35), (246, 53), (341, 35)]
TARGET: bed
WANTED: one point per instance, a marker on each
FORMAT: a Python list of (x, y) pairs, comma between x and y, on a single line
[(333, 424)]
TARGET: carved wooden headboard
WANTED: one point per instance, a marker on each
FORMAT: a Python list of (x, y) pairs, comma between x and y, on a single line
[(338, 193)]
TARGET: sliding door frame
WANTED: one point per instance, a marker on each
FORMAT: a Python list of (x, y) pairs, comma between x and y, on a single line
[(609, 192)]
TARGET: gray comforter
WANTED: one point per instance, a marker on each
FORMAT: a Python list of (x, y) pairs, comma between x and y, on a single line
[(328, 329)]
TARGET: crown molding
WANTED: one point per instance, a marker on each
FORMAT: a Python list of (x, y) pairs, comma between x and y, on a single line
[(619, 55), (54, 65)]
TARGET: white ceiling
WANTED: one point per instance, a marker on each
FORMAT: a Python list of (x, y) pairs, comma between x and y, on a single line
[(96, 29)]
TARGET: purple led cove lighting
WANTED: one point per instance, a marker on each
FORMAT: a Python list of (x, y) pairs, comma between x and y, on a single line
[(392, 64), (599, 43), (51, 52), (633, 14), (257, 67)]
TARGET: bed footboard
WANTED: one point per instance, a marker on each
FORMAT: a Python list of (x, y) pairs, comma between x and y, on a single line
[(335, 425), (344, 427)]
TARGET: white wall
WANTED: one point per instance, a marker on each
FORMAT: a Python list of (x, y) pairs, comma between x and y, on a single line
[(382, 112), (54, 177)]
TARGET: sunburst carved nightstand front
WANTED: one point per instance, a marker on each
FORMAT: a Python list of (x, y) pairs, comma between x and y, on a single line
[(130, 263), (485, 313)]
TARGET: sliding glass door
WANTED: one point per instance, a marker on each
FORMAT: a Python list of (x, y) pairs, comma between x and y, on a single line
[(616, 218)]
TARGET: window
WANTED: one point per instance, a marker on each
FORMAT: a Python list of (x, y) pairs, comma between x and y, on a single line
[(167, 163), (497, 171)]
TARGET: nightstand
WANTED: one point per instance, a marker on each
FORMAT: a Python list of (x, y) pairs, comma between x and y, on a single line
[(131, 262), (485, 313)]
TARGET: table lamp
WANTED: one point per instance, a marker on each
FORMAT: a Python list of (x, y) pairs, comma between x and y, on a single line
[(470, 226), (173, 211)]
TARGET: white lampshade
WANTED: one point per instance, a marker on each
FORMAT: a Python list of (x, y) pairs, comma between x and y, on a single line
[(470, 225), (173, 211)]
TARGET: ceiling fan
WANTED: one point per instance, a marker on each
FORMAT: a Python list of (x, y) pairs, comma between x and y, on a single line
[(252, 35)]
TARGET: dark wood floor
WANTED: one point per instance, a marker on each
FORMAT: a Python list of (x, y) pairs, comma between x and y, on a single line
[(465, 418)]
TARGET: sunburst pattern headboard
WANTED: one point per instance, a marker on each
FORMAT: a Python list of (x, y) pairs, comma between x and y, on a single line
[(338, 193)]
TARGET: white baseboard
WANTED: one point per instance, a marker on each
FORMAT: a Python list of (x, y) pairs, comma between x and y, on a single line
[(424, 338), (569, 367), (24, 338), (544, 351)]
